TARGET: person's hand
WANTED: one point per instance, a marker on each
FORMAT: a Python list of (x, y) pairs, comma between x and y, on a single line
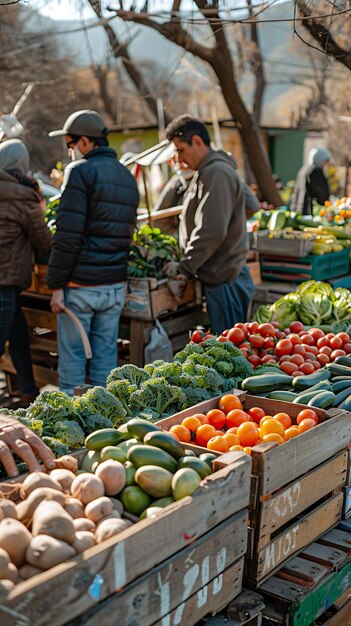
[(57, 301), (17, 438), (43, 204)]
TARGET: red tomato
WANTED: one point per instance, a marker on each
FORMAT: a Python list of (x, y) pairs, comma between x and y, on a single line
[(266, 330), (256, 341), (216, 418), (253, 327), (254, 360), (307, 340), (236, 417), (345, 338), (316, 365), (323, 359), (303, 333), (323, 341), (285, 358), (236, 336), (325, 350), (294, 338), (288, 368), (222, 339), (275, 324), (246, 345), (268, 359), (306, 368), (284, 346), (197, 336), (330, 335), (337, 353), (307, 414), (306, 424), (225, 332), (268, 343), (242, 327), (256, 413), (336, 343), (297, 359), (296, 327), (347, 348), (311, 350), (297, 373), (316, 333), (280, 335), (299, 350)]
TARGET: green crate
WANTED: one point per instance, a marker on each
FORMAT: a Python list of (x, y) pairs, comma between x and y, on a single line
[(279, 268)]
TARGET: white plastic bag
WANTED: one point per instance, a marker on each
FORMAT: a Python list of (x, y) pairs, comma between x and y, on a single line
[(159, 346)]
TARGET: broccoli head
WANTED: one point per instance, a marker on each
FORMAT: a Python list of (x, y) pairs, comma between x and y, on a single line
[(122, 390), (229, 347), (158, 396), (205, 377), (224, 368), (135, 375), (201, 358), (56, 399), (99, 400), (189, 349), (70, 433), (58, 448), (45, 412), (242, 368), (35, 425), (94, 421), (194, 395), (170, 372), (150, 367), (231, 383)]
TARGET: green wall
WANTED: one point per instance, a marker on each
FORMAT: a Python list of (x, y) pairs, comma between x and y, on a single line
[(148, 137), (286, 153)]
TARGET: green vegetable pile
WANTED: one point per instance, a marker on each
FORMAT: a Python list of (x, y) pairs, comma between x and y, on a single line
[(50, 213), (150, 250), (313, 303)]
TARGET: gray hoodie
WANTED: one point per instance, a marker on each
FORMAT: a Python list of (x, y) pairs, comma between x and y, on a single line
[(212, 229)]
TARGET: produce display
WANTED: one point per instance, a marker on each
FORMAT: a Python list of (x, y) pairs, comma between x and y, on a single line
[(150, 250), (338, 212), (229, 427)]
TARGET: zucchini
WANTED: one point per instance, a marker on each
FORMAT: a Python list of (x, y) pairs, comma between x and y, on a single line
[(165, 441), (337, 379), (322, 400), (340, 385), (346, 404), (266, 382), (284, 396), (303, 383), (343, 360), (306, 396), (102, 438), (141, 455), (336, 369), (341, 396)]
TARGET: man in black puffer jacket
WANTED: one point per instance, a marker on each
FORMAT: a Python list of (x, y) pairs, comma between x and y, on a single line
[(88, 264)]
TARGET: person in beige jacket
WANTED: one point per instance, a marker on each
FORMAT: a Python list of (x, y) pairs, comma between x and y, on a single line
[(22, 230)]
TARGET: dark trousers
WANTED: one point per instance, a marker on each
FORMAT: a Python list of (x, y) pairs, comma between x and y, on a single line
[(13, 328), (228, 304)]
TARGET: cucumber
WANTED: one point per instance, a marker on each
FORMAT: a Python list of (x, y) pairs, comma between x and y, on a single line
[(343, 360), (165, 441), (284, 396), (138, 427), (341, 396), (102, 438), (199, 465), (346, 404), (336, 369), (338, 379), (141, 455), (340, 385), (323, 400), (302, 383), (266, 382), (155, 481), (306, 396)]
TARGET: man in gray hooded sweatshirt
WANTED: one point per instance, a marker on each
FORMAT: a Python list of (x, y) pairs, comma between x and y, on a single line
[(212, 228)]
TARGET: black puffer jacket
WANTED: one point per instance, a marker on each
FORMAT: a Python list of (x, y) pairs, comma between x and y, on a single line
[(95, 222)]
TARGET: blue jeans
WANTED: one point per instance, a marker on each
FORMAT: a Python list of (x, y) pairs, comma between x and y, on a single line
[(13, 327), (99, 310), (228, 304)]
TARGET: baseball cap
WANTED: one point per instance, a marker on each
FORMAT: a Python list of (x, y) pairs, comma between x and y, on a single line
[(86, 123)]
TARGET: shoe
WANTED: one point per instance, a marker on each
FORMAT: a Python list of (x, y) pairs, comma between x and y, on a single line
[(27, 399)]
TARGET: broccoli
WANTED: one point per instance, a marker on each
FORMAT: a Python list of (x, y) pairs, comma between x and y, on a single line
[(242, 368), (218, 353), (56, 399), (20, 413), (46, 412), (170, 372), (98, 400), (157, 396), (148, 414), (194, 395), (201, 359), (205, 377), (9, 412), (35, 425), (231, 383), (230, 348), (135, 375), (224, 368), (150, 367), (69, 433), (58, 448), (94, 421), (122, 390), (189, 349)]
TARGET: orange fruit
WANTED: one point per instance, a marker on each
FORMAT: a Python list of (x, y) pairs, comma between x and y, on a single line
[(220, 433), (307, 414), (306, 424), (291, 432), (182, 433), (236, 449), (201, 417), (204, 433), (232, 439), (266, 417), (236, 417), (284, 419), (271, 437), (191, 423), (216, 418), (256, 413), (271, 426), (229, 402), (248, 434), (247, 449), (233, 430), (219, 444)]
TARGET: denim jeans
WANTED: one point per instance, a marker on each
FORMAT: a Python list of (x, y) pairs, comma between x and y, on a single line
[(228, 304), (99, 310), (13, 327)]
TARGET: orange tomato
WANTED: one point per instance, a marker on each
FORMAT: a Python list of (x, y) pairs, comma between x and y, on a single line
[(220, 433), (204, 433), (236, 448), (306, 424), (216, 418), (272, 437), (182, 433), (219, 444), (191, 423), (256, 413), (233, 430), (247, 449), (271, 426), (231, 439), (307, 414), (284, 419), (291, 432), (264, 419), (236, 417), (248, 434), (229, 402), (201, 417)]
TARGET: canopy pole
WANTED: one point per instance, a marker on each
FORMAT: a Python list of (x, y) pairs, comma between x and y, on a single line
[(147, 200)]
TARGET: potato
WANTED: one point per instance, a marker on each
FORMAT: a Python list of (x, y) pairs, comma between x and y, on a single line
[(5, 587), (83, 540), (64, 477), (14, 539), (117, 505), (112, 515), (50, 518), (7, 509), (99, 508), (67, 462), (28, 571), (8, 570), (26, 509), (87, 487), (11, 573), (74, 508), (35, 480), (109, 528), (45, 552), (113, 475), (84, 524)]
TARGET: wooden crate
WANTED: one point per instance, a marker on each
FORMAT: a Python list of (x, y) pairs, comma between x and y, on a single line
[(314, 588), (187, 561), (285, 513), (38, 284), (148, 298)]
